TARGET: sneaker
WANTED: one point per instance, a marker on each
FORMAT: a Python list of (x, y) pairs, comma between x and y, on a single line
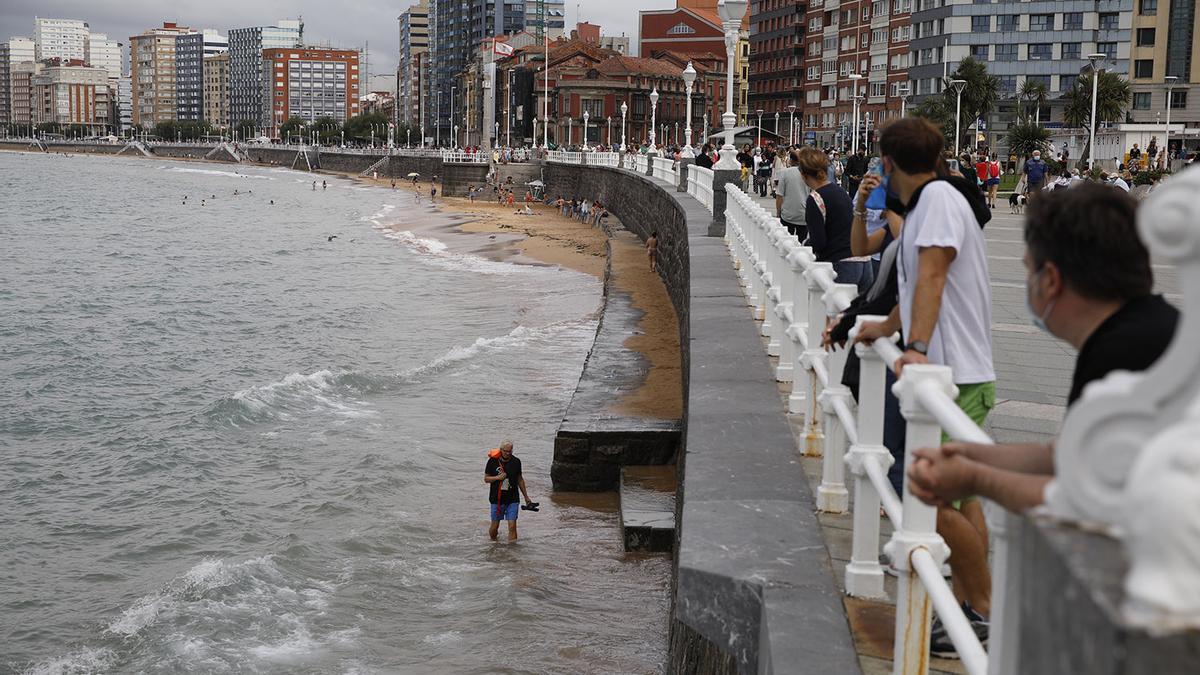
[(940, 645), (888, 568)]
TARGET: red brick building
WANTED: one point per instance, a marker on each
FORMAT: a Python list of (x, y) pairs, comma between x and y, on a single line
[(865, 37), (684, 30), (776, 59), (311, 82)]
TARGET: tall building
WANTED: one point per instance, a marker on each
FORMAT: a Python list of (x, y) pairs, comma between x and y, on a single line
[(68, 91), (864, 38), (310, 82), (5, 88), (414, 47), (152, 72), (16, 50), (104, 53), (246, 76), (21, 49), (216, 90), (776, 68), (124, 104), (214, 43), (21, 88), (60, 39), (1164, 44), (189, 77), (457, 27), (1018, 41)]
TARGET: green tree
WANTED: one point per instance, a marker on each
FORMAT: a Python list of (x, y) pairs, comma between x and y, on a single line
[(979, 95), (1024, 138), (294, 126), (1112, 97), (359, 127), (327, 128), (246, 129), (1036, 93), (937, 111)]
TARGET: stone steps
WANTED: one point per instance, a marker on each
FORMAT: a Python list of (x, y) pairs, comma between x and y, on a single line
[(647, 496)]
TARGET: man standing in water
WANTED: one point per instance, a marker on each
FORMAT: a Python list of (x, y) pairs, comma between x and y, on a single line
[(502, 474)]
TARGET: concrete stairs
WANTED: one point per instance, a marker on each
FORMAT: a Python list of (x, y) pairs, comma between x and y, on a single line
[(647, 495)]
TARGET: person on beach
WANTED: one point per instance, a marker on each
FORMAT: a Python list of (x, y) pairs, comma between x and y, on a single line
[(501, 473), (652, 251), (324, 185), (314, 187), (432, 192)]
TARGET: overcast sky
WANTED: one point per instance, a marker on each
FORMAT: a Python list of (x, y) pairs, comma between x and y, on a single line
[(340, 23)]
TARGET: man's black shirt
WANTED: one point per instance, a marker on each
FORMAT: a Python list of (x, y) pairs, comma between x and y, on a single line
[(1132, 339), (856, 166), (506, 490)]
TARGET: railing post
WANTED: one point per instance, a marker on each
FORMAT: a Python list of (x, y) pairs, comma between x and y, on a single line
[(683, 174), (784, 311), (919, 526), (771, 298), (831, 495), (755, 251), (814, 353), (864, 576), (799, 260), (1004, 639)]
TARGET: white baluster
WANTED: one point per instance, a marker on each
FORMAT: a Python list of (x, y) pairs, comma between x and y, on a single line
[(813, 353), (785, 369), (799, 260), (919, 526), (864, 576), (772, 326), (832, 495)]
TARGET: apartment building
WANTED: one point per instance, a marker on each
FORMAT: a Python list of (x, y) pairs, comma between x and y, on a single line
[(216, 90), (1166, 40), (60, 39), (68, 91), (152, 73), (776, 61), (411, 73), (246, 75), (189, 77), (311, 82), (104, 53)]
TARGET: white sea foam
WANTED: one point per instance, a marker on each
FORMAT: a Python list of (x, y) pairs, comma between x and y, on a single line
[(306, 392), (85, 660), (215, 172), (518, 337)]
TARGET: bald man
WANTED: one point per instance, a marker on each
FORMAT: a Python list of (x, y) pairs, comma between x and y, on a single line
[(501, 475)]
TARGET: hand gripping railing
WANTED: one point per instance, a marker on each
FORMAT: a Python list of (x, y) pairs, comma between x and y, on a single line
[(783, 282)]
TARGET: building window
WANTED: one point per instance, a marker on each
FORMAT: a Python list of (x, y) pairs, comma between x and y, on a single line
[(1145, 37), (879, 89), (1006, 23), (979, 52), (879, 36), (1110, 21), (1108, 49), (981, 24), (1070, 50), (864, 40), (1041, 51), (1043, 80), (1041, 22), (1143, 68), (1141, 100), (1006, 52), (1008, 84), (1148, 7), (1073, 21), (1178, 100), (681, 29), (1067, 82)]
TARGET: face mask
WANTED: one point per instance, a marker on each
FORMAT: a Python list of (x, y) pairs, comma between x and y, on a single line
[(1038, 320)]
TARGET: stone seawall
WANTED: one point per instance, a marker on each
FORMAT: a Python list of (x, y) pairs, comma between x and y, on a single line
[(753, 588)]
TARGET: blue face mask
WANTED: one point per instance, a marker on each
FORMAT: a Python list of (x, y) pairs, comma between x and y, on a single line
[(1038, 320)]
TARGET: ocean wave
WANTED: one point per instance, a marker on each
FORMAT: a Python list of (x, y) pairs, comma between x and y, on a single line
[(79, 662), (518, 337), (215, 172), (297, 393)]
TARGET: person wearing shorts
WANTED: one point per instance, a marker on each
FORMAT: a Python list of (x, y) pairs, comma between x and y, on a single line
[(502, 474)]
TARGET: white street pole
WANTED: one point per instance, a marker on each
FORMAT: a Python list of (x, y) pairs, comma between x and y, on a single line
[(1096, 60), (791, 125), (610, 133), (689, 80), (1166, 148), (586, 117), (760, 112), (438, 126), (854, 78), (546, 98), (570, 136), (653, 113), (624, 139), (777, 124), (958, 86), (731, 12)]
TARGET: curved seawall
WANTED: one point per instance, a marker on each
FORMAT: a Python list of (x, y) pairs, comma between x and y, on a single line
[(753, 589)]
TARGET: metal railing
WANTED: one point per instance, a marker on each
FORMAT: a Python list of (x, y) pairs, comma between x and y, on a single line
[(794, 296), (700, 185), (603, 158)]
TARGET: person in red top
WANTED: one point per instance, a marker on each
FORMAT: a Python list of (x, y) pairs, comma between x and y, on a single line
[(993, 179)]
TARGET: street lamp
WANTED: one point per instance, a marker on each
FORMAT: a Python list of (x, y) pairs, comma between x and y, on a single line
[(759, 112), (438, 130), (903, 90), (1096, 61), (624, 141), (776, 124), (497, 134), (1166, 148), (689, 79), (854, 99), (586, 117), (454, 143), (957, 86), (609, 118), (570, 123), (792, 124), (535, 121), (653, 111), (731, 12)]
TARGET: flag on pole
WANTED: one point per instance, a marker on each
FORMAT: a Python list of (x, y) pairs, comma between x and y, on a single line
[(501, 48)]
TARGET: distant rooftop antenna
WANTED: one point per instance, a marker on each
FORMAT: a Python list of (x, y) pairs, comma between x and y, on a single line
[(300, 38)]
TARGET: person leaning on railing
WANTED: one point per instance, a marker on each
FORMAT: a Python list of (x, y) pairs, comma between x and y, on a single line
[(1088, 283), (827, 215), (945, 314)]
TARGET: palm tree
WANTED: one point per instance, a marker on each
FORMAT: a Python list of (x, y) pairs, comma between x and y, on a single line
[(979, 95), (1023, 139), (1112, 97), (1036, 93)]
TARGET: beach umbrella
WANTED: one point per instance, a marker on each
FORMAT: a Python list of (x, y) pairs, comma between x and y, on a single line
[(412, 175), (536, 183)]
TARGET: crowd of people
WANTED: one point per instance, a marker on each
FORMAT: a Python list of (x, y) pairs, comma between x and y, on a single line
[(910, 236)]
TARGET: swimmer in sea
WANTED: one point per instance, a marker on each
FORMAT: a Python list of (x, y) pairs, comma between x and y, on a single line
[(331, 237), (652, 251), (314, 186)]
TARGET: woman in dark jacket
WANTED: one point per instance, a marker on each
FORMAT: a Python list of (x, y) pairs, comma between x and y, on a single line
[(828, 215)]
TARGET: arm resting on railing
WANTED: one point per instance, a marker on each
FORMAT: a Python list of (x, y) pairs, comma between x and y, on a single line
[(938, 477)]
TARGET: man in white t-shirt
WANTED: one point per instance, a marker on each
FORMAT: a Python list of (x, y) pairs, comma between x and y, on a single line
[(945, 317)]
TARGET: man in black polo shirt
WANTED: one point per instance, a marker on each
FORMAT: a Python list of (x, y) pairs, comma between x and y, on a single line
[(1089, 284), (502, 473)]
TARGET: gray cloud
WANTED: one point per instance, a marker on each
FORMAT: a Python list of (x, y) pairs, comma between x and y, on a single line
[(340, 24)]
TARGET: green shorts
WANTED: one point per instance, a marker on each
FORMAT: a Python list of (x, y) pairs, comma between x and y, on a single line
[(977, 400)]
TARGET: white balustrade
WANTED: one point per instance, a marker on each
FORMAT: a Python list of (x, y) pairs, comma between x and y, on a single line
[(603, 159), (664, 169), (700, 181), (794, 296)]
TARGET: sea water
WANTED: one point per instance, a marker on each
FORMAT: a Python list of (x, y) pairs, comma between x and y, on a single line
[(232, 443)]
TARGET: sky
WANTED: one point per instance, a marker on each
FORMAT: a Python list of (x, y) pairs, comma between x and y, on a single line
[(338, 23)]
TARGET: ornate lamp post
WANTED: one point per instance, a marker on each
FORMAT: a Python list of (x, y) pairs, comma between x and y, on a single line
[(497, 144), (792, 124), (854, 98), (570, 123), (609, 118), (1170, 80), (653, 111), (904, 91), (624, 110), (689, 78), (776, 124), (586, 117), (535, 121), (731, 12), (704, 131), (759, 112), (455, 143), (958, 86)]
